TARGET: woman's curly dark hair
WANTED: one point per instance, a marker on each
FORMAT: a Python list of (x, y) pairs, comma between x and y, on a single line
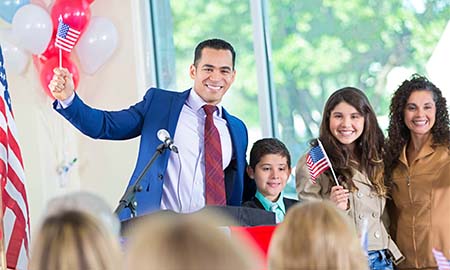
[(398, 132), (367, 156)]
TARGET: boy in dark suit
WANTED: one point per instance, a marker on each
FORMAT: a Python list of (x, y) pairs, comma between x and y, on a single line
[(270, 167)]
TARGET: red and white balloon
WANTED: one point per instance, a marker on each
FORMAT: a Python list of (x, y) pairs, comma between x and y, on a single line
[(33, 30)]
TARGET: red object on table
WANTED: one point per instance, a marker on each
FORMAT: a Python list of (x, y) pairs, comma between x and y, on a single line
[(260, 234)]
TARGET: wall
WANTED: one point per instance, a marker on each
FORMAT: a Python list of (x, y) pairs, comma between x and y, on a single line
[(103, 167)]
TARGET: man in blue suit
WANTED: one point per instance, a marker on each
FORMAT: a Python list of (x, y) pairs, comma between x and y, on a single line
[(175, 181)]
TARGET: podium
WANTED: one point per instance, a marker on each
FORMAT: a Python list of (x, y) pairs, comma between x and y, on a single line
[(237, 215), (244, 216)]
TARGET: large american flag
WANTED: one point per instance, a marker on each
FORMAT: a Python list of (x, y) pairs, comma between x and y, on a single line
[(16, 220), (317, 162), (66, 36)]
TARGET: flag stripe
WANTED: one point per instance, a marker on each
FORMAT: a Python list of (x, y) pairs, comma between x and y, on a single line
[(18, 235), (73, 32), (16, 187), (66, 42), (319, 167), (63, 44)]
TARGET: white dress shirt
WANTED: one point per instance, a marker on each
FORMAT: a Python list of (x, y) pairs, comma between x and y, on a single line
[(184, 181)]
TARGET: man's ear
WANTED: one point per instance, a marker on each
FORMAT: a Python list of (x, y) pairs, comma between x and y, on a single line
[(250, 172), (233, 75), (192, 71)]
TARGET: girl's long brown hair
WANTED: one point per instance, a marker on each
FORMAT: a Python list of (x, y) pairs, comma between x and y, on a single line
[(367, 155)]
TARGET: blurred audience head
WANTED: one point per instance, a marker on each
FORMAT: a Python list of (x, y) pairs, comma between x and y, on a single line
[(74, 240), (313, 236), (86, 202), (186, 242)]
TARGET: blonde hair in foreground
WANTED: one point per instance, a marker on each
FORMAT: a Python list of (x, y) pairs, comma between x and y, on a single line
[(73, 240), (186, 242), (313, 236)]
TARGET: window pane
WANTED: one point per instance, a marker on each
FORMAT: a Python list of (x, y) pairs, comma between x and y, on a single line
[(196, 20), (321, 46)]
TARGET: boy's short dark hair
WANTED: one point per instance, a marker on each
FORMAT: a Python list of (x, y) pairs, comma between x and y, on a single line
[(268, 146)]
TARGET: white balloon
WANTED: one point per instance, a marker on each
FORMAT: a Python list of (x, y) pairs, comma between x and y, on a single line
[(16, 59), (8, 35), (32, 26), (97, 44)]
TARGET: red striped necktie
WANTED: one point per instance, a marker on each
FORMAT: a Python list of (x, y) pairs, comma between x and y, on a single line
[(214, 176)]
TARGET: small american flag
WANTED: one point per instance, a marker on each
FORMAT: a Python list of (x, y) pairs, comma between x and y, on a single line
[(66, 37), (441, 261), (16, 220), (317, 162)]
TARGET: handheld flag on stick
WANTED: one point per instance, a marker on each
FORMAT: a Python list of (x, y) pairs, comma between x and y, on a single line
[(442, 262), (15, 217), (66, 37), (318, 162)]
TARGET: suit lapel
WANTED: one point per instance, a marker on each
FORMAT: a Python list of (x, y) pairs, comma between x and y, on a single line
[(176, 105), (231, 122)]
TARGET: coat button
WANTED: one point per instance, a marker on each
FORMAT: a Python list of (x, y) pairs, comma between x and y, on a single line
[(359, 194), (377, 234), (374, 214), (160, 176), (361, 216)]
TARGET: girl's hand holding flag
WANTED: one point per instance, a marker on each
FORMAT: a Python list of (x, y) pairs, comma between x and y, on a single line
[(318, 162), (339, 195)]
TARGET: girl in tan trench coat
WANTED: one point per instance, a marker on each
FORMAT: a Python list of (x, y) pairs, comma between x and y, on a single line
[(354, 143)]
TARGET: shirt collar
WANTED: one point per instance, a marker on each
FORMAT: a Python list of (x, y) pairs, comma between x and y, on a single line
[(195, 102), (426, 150), (269, 205)]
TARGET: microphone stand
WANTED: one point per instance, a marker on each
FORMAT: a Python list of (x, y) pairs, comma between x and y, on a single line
[(128, 198)]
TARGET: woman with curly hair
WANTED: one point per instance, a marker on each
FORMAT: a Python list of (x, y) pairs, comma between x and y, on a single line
[(354, 143), (418, 172)]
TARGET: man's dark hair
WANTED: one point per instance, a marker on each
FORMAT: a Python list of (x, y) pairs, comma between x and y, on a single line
[(268, 146), (214, 43)]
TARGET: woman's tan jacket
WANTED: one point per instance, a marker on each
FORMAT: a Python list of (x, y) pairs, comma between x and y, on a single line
[(364, 203), (421, 211)]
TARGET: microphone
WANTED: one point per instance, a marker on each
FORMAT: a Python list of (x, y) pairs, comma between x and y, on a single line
[(164, 136)]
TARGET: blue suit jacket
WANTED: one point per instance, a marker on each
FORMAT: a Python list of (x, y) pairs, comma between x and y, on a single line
[(159, 109)]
